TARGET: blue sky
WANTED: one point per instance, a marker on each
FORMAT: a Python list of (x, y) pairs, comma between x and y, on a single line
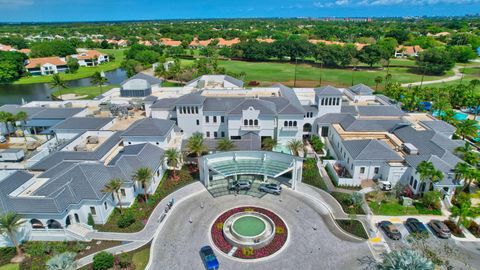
[(94, 10)]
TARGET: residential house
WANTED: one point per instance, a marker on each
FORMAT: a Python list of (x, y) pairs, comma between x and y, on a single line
[(90, 58), (46, 65)]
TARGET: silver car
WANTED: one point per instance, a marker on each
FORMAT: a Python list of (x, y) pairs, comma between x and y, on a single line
[(240, 185), (271, 188)]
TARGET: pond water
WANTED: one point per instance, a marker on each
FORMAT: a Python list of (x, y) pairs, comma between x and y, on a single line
[(13, 93)]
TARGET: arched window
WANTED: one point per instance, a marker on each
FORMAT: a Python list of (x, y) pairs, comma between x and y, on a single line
[(330, 101), (307, 127), (256, 122), (196, 110), (294, 123), (36, 224), (184, 110), (338, 101), (323, 101), (250, 122), (290, 123), (285, 123), (245, 122), (53, 224)]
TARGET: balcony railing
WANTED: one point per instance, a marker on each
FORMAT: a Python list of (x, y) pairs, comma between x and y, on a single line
[(250, 127), (290, 128)]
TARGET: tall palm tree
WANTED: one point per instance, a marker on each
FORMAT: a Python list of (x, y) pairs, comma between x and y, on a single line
[(449, 117), (427, 171), (6, 118), (98, 80), (63, 261), (224, 144), (22, 116), (467, 128), (296, 146), (173, 159), (464, 211), (461, 170), (472, 174), (196, 144), (143, 176), (269, 143), (58, 82), (10, 223), (113, 186), (378, 80)]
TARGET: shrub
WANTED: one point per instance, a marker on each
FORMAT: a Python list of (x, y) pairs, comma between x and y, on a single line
[(6, 254), (431, 199), (454, 228), (90, 220), (124, 260), (36, 249), (126, 219), (103, 261), (474, 228), (317, 144)]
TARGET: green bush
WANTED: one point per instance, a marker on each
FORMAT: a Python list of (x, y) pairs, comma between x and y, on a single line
[(311, 175), (317, 144), (6, 254), (103, 261), (90, 220), (126, 219), (431, 199), (124, 260), (36, 249)]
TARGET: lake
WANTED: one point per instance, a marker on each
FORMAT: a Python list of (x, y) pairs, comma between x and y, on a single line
[(13, 93)]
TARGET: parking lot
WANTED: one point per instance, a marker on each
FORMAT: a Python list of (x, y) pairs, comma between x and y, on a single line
[(460, 255)]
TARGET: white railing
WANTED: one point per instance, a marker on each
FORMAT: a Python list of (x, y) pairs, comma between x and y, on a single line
[(250, 127)]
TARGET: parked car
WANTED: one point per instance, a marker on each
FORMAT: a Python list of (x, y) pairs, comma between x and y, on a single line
[(271, 188), (415, 226), (390, 230), (209, 259), (3, 139), (385, 185), (240, 185), (439, 228)]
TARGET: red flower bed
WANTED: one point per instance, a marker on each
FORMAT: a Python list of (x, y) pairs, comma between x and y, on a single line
[(278, 241)]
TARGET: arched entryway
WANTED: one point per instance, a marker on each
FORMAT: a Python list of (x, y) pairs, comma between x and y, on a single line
[(36, 224), (307, 127), (53, 224)]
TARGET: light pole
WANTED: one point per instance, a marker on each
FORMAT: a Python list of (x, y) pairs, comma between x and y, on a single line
[(295, 73)]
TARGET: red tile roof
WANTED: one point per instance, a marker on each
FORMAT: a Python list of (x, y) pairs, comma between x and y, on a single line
[(34, 62), (90, 54)]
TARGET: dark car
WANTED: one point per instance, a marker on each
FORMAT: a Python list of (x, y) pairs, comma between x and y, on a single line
[(271, 188), (240, 185), (209, 259), (390, 230), (439, 228), (415, 226)]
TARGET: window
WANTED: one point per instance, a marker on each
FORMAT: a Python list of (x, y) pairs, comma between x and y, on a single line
[(215, 134), (245, 122), (256, 122), (376, 170), (93, 211), (362, 169), (198, 122), (250, 122), (235, 137), (222, 119), (122, 191), (411, 180), (223, 134), (180, 110), (207, 119), (294, 123), (196, 110), (105, 205), (188, 110), (214, 119), (158, 173), (208, 134), (415, 184), (285, 124)]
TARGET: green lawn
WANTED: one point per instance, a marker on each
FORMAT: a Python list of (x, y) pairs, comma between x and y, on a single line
[(83, 72), (308, 75), (393, 208), (89, 91), (354, 227), (140, 258), (345, 201), (10, 267)]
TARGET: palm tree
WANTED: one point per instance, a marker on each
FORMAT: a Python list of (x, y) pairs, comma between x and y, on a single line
[(143, 176), (6, 118), (58, 82), (173, 159), (427, 171), (269, 143), (449, 117), (472, 174), (405, 259), (464, 211), (224, 144), (113, 186), (467, 128), (296, 146), (196, 144), (22, 116), (461, 170), (10, 223), (99, 80), (63, 261), (378, 80)]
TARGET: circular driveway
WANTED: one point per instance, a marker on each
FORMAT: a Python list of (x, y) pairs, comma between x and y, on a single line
[(311, 245)]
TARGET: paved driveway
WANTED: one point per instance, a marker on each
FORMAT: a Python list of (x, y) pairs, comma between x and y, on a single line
[(177, 245)]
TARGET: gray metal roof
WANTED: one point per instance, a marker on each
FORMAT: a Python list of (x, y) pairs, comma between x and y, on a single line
[(191, 99), (9, 184), (439, 126), (351, 109), (150, 127), (352, 124), (421, 139), (83, 123), (327, 91), (150, 98), (370, 150), (41, 112), (332, 118), (294, 106), (361, 89), (55, 158), (265, 107), (380, 110), (142, 76), (164, 103), (209, 78), (221, 104)]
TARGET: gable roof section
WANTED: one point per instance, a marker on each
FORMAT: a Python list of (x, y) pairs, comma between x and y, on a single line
[(191, 99), (265, 107), (361, 89), (83, 123), (293, 106), (149, 127), (142, 76), (370, 150), (221, 104), (164, 103), (439, 126), (380, 110), (35, 62), (327, 91)]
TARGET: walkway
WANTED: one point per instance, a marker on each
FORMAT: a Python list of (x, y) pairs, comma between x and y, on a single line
[(457, 76)]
